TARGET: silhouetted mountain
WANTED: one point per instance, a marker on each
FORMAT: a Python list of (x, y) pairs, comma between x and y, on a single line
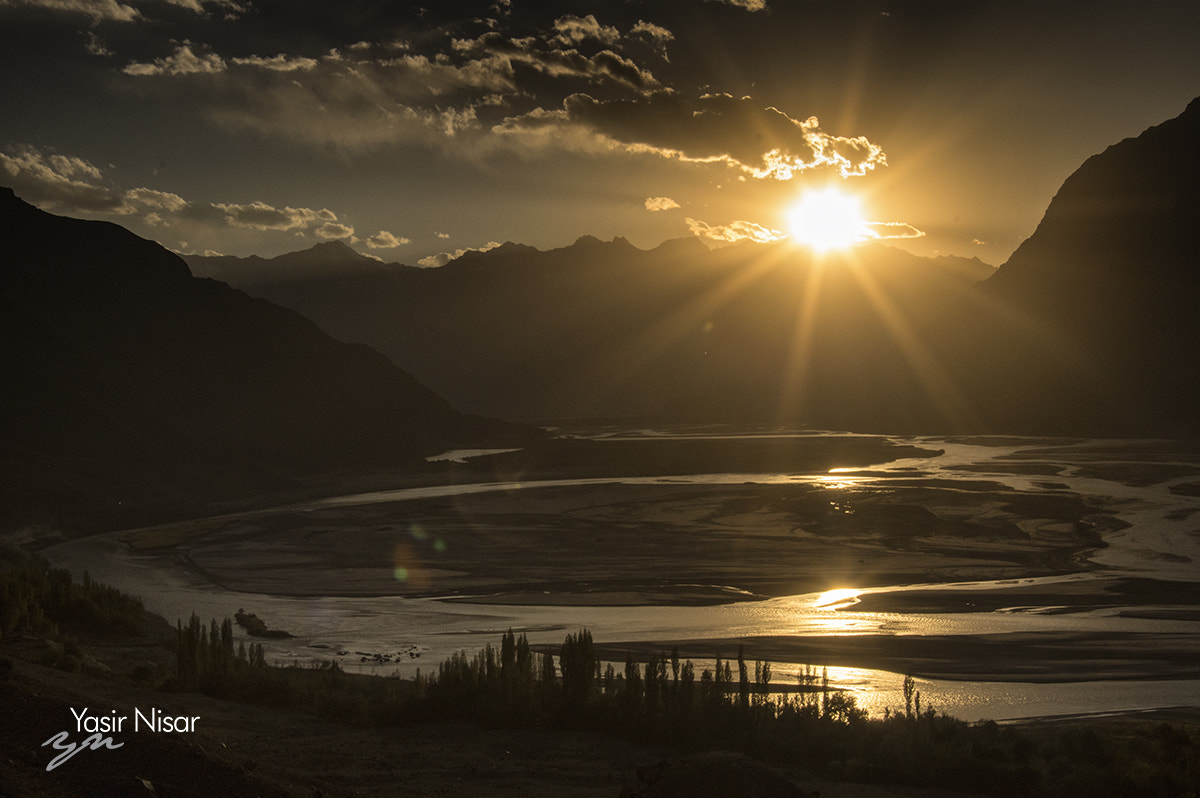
[(329, 260), (1092, 324), (1089, 328), (130, 384), (679, 332)]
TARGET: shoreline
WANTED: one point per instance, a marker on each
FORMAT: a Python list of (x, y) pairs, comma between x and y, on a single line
[(1030, 658), (973, 535)]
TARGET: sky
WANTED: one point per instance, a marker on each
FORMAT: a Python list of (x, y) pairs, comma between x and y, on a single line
[(417, 132)]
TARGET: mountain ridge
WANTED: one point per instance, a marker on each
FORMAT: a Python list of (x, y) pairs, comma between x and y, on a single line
[(1086, 329), (604, 328), (1105, 289), (133, 387)]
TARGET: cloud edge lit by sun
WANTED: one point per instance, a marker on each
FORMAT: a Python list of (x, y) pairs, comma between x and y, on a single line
[(829, 219)]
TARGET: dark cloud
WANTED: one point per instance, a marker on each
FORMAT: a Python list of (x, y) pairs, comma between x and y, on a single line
[(185, 60), (354, 100), (550, 58), (761, 142), (333, 230), (373, 93), (573, 30), (261, 216), (656, 35), (393, 107), (73, 185), (749, 5), (59, 182), (129, 11), (93, 10)]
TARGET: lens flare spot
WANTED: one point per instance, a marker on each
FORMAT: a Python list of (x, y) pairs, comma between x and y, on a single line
[(407, 566)]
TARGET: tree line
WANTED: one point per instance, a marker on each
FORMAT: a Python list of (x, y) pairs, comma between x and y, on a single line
[(662, 701), (732, 706)]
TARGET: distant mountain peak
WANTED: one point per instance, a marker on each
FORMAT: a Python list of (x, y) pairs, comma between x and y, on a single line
[(505, 252), (619, 245), (690, 246), (512, 247), (320, 261), (328, 251), (337, 245)]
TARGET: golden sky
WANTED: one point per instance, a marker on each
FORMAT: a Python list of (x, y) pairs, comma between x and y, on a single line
[(412, 134)]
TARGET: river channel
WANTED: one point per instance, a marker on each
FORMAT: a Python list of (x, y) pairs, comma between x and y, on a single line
[(1159, 541)]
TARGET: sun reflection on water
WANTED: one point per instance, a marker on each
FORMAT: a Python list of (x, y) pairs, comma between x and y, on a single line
[(837, 599), (841, 478)]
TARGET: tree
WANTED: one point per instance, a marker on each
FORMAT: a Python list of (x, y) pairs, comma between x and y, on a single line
[(743, 680), (577, 660), (633, 685)]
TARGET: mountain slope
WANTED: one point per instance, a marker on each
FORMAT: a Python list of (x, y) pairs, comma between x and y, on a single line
[(751, 332), (1092, 324), (325, 261), (1089, 328), (130, 383)]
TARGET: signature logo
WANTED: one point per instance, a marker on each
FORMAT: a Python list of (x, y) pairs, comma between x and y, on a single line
[(99, 727), (61, 742)]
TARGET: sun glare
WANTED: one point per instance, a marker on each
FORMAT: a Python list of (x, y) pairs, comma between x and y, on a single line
[(837, 599), (826, 219)]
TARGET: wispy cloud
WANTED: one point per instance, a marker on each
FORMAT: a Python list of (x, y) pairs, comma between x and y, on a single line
[(184, 61), (374, 94), (357, 100), (96, 10), (660, 203), (331, 231), (159, 200), (115, 11), (441, 259), (277, 63), (734, 231), (228, 8), (656, 35), (760, 142), (572, 30), (749, 5), (882, 230), (73, 185), (261, 216), (60, 182), (385, 240), (549, 58)]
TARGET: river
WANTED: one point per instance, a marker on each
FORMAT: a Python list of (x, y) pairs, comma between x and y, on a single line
[(1160, 542)]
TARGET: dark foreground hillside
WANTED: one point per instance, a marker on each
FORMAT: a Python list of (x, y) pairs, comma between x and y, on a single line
[(130, 386)]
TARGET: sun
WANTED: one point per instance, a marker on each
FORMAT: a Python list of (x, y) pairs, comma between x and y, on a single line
[(827, 219)]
